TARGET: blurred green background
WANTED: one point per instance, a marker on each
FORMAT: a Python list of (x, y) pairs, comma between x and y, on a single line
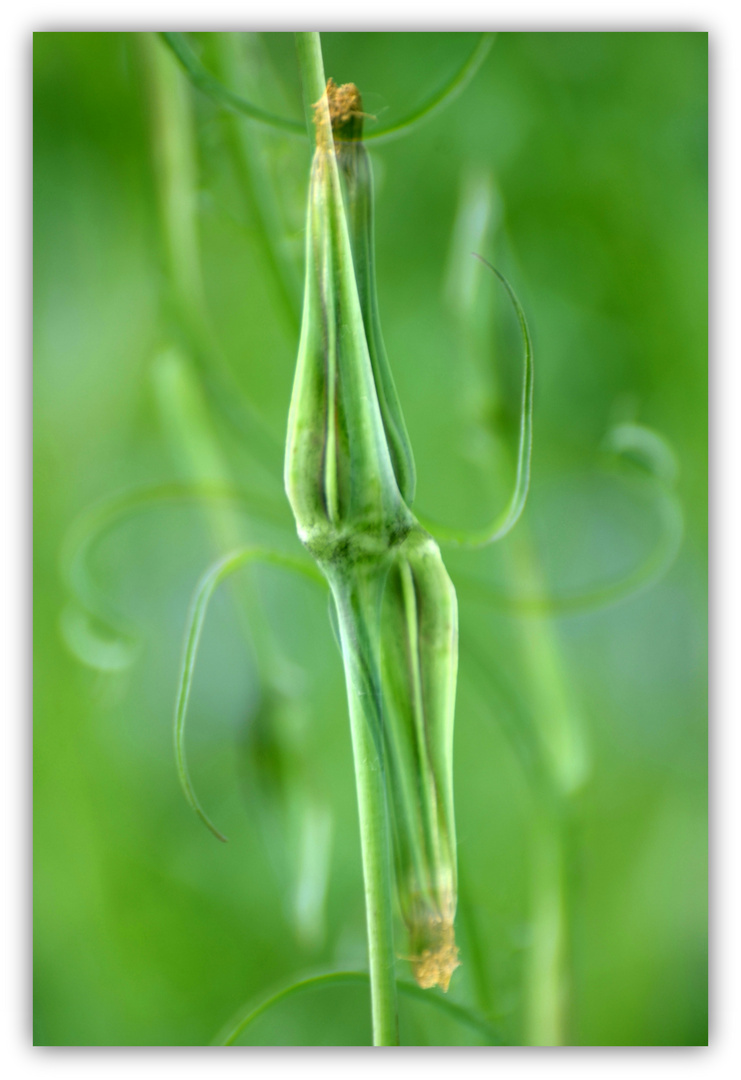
[(577, 162)]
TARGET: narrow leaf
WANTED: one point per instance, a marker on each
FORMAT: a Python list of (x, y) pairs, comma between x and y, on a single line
[(208, 84), (204, 81), (442, 97), (96, 634), (194, 628), (508, 518), (460, 1013), (654, 468)]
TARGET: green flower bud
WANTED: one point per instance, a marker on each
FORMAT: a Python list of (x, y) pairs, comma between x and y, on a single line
[(419, 659), (339, 476)]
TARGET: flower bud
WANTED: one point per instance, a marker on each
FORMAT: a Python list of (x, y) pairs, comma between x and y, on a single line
[(338, 474), (419, 659)]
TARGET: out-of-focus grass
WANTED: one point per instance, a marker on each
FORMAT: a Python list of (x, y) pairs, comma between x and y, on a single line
[(146, 930)]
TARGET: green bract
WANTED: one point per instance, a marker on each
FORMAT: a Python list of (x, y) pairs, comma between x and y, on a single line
[(355, 172), (419, 659), (339, 476), (350, 479)]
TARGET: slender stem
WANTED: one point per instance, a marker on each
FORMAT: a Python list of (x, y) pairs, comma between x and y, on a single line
[(562, 742), (249, 145), (176, 173), (183, 407), (374, 837), (364, 696), (358, 609), (311, 65), (559, 743)]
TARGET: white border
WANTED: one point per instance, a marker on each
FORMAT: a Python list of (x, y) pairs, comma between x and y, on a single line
[(723, 1057)]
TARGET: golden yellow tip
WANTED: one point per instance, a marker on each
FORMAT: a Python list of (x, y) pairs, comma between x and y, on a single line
[(435, 964), (345, 110)]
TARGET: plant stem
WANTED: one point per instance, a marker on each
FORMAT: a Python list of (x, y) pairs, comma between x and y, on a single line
[(313, 82), (557, 730), (358, 601), (377, 871), (174, 146), (364, 700), (250, 145)]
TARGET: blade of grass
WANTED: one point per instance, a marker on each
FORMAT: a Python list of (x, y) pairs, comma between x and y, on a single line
[(194, 628), (204, 81), (508, 518), (547, 732), (250, 148), (175, 152), (460, 1013), (209, 85), (647, 573), (439, 98), (88, 617)]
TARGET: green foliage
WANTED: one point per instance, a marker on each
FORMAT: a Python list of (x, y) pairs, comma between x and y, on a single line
[(194, 628), (205, 82), (468, 1017), (580, 162)]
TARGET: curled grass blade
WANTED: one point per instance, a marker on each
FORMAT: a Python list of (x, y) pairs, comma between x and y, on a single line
[(650, 454), (508, 518), (208, 84), (460, 1013), (441, 97), (204, 81), (194, 628), (97, 635)]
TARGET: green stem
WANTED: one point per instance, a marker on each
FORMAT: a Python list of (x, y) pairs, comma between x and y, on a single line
[(176, 174), (364, 700), (374, 838), (548, 969), (174, 146), (557, 762), (249, 145), (357, 601), (313, 82)]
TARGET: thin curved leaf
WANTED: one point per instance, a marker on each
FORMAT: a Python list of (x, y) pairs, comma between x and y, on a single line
[(644, 449), (464, 1015), (96, 634), (204, 81), (194, 628), (505, 521), (208, 84), (442, 97)]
